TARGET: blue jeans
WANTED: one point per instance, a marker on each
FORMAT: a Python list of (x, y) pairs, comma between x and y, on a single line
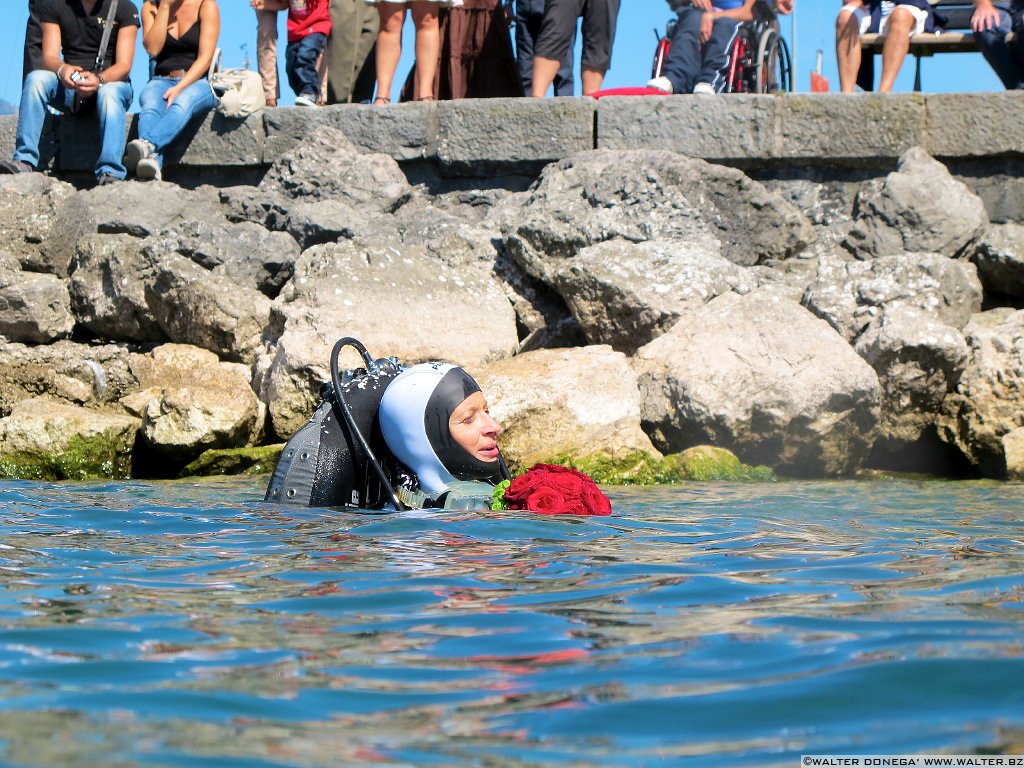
[(689, 63), (1007, 59), (160, 124), (300, 64), (42, 89)]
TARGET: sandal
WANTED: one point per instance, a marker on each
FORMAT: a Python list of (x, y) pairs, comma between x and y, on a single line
[(382, 100), (425, 98)]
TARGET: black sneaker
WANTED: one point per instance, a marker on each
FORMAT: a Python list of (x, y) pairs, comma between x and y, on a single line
[(107, 178), (15, 166)]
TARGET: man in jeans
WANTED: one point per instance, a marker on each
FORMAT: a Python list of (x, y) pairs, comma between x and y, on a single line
[(72, 32)]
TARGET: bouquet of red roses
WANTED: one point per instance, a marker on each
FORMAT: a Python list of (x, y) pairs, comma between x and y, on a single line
[(550, 489)]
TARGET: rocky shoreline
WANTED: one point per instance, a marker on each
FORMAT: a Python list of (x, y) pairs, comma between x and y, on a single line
[(628, 306)]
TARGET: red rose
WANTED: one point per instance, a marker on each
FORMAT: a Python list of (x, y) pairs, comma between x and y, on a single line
[(545, 502), (550, 489), (595, 501)]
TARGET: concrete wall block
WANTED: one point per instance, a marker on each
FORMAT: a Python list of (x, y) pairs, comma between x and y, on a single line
[(975, 124), (734, 127), (478, 136), (47, 142), (865, 126), (221, 141), (403, 131), (78, 141)]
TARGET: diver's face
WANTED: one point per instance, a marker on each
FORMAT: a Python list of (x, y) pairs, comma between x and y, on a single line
[(473, 428)]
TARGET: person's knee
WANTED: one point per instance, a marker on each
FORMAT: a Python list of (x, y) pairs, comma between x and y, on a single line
[(847, 26), (41, 83), (901, 21), (111, 98)]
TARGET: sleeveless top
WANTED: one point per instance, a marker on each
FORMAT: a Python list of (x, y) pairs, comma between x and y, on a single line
[(179, 52)]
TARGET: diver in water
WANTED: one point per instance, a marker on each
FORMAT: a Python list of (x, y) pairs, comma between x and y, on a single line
[(385, 437), (436, 422)]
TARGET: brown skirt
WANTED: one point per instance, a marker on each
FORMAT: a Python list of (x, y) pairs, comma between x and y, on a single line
[(477, 59)]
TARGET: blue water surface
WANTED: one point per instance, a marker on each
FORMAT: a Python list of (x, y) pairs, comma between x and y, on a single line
[(188, 624)]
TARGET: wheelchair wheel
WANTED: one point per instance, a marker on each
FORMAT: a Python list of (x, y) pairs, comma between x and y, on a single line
[(741, 64), (774, 68)]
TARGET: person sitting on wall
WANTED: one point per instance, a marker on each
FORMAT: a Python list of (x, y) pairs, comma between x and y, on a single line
[(991, 23), (72, 32), (181, 37), (896, 20), (702, 40)]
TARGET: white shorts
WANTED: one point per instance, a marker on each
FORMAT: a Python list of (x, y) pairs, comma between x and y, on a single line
[(864, 18)]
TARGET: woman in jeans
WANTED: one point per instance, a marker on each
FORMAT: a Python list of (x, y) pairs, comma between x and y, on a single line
[(181, 37)]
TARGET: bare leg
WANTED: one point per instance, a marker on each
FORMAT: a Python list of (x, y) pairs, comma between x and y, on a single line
[(897, 43), (428, 46), (544, 71), (592, 79), (389, 46), (847, 49)]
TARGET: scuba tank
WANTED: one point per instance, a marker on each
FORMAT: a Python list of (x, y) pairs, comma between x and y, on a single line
[(332, 460)]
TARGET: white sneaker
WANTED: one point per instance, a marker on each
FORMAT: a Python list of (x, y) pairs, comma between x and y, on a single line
[(662, 84), (305, 101), (136, 151), (148, 168), (704, 89)]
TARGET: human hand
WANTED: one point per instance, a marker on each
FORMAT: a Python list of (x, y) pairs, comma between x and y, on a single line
[(86, 83), (707, 22), (64, 75), (257, 5), (785, 7), (703, 5), (984, 18), (172, 93)]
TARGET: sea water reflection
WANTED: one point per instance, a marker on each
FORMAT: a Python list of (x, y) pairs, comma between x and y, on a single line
[(188, 624)]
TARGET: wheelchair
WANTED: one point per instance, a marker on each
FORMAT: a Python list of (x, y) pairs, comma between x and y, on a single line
[(759, 61)]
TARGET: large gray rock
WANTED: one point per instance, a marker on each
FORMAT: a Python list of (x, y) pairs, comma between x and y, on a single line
[(764, 378), (243, 253), (195, 306), (626, 294), (141, 209), (918, 361), (327, 166), (34, 307), (552, 403), (65, 441), (1013, 450), (42, 220), (91, 375), (398, 300), (602, 195), (987, 403), (849, 295), (1000, 260), (107, 285), (918, 208), (189, 402)]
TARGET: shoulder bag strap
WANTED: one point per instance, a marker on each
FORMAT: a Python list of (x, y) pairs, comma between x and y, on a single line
[(108, 28)]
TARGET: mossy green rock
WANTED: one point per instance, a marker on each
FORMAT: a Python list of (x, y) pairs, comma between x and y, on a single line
[(85, 458), (234, 461), (700, 463)]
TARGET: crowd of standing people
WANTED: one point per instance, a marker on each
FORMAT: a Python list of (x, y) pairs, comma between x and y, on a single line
[(79, 53)]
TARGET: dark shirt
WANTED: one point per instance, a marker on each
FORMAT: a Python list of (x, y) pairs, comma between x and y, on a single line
[(178, 52), (33, 42), (81, 33)]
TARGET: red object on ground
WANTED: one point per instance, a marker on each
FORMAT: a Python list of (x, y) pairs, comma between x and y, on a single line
[(636, 90), (819, 84)]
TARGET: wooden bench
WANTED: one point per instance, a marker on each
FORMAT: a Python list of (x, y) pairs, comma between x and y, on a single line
[(956, 37)]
